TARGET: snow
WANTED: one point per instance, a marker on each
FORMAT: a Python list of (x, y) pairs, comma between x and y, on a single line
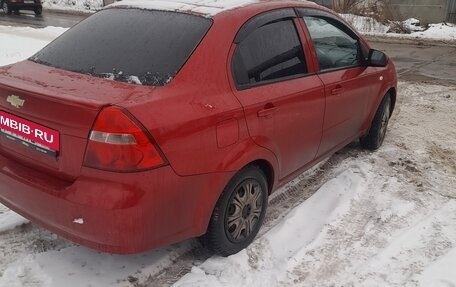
[(369, 26), (204, 7), (386, 218), (413, 25), (438, 31), (75, 266), (9, 219), (365, 24), (298, 230), (73, 5), (78, 221), (19, 43)]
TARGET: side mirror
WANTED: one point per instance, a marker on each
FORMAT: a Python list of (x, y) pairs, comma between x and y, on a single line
[(377, 59)]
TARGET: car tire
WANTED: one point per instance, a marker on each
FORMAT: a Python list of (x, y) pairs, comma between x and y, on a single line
[(237, 217), (6, 9), (38, 11), (377, 132)]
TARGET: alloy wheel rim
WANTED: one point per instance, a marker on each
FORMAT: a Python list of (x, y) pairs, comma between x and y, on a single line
[(244, 211)]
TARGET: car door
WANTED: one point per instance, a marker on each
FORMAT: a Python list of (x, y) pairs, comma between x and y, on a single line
[(282, 97), (348, 82)]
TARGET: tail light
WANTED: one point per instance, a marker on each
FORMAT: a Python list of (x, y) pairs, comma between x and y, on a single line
[(118, 143)]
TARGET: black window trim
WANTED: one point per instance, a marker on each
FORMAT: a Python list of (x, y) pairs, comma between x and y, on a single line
[(269, 82), (251, 25), (311, 12), (262, 19)]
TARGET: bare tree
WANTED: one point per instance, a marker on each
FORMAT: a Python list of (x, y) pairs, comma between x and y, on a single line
[(346, 6)]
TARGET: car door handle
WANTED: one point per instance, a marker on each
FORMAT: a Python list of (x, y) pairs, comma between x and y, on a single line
[(337, 90), (268, 110)]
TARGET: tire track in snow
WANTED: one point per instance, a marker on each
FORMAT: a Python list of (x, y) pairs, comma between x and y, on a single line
[(406, 223), (26, 239), (280, 204)]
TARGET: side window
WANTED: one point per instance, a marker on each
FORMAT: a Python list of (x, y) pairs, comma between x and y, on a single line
[(270, 52), (335, 48)]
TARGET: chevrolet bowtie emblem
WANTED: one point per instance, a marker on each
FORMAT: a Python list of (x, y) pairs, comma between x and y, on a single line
[(15, 101)]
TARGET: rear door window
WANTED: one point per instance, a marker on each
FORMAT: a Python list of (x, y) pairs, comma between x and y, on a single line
[(129, 45), (270, 53)]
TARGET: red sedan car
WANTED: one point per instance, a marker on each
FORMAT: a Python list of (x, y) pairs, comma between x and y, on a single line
[(147, 125)]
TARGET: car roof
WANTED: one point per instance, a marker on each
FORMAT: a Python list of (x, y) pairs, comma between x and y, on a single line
[(209, 8)]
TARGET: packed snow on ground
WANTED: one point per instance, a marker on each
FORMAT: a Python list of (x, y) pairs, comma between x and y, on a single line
[(385, 218), (18, 43), (368, 25), (73, 5), (10, 219)]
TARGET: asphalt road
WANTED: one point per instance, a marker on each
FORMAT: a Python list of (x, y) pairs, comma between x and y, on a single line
[(419, 63), (49, 18), (430, 64)]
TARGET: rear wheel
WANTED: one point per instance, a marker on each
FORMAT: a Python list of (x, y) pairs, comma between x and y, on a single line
[(239, 213), (5, 8), (374, 139), (38, 11)]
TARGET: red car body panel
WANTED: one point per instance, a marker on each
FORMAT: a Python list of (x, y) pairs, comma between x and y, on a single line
[(121, 213), (205, 127)]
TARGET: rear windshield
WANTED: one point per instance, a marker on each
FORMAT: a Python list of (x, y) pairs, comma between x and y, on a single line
[(129, 45)]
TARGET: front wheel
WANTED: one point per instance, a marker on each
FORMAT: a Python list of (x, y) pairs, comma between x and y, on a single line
[(5, 8), (376, 135), (239, 212)]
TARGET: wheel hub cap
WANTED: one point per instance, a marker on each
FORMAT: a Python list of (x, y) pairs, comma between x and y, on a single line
[(244, 211)]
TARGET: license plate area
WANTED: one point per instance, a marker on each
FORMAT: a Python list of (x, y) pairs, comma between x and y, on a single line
[(29, 1), (27, 133)]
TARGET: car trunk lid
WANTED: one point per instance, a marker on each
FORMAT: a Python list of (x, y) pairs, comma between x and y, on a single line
[(54, 102)]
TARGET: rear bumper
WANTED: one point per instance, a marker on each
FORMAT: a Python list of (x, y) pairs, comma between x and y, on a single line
[(111, 212)]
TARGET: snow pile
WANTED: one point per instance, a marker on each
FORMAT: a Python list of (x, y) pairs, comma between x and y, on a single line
[(438, 31), (370, 26), (413, 25), (73, 5), (268, 260), (365, 24)]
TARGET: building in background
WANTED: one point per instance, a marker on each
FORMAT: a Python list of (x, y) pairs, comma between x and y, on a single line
[(427, 11)]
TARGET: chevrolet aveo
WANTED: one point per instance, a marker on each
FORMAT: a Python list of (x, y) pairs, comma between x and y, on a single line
[(147, 124)]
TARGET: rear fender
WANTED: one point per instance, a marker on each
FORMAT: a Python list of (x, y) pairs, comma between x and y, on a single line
[(244, 154)]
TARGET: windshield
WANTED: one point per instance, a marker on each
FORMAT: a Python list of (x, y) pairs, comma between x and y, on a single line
[(129, 45)]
